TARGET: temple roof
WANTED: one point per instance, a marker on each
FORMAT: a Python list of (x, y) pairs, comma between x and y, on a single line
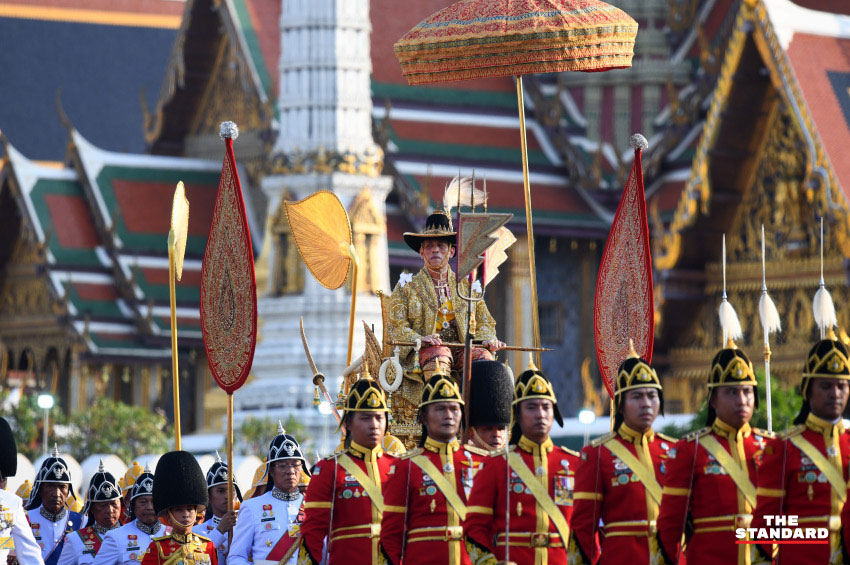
[(104, 220), (101, 55)]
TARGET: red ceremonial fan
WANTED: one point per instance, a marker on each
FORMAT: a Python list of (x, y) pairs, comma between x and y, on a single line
[(228, 285), (623, 308)]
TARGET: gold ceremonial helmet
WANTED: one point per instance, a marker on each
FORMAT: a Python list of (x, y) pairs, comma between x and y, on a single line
[(366, 395), (828, 359), (129, 479), (533, 384), (24, 490), (440, 388), (635, 372), (731, 367)]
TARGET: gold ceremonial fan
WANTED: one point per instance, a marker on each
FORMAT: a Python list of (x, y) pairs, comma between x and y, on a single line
[(319, 224)]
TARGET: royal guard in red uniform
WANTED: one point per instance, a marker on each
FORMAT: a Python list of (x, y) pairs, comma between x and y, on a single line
[(344, 502), (179, 496), (491, 392), (425, 501), (709, 484), (618, 481), (529, 522), (804, 471)]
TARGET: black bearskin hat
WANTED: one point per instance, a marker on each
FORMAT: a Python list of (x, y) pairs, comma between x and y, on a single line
[(178, 481), (490, 394), (8, 450)]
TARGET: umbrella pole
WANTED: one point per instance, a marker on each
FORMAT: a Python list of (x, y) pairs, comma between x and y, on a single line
[(532, 267), (175, 381)]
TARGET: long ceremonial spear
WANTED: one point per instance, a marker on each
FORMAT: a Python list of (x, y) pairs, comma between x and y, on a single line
[(176, 250), (770, 323)]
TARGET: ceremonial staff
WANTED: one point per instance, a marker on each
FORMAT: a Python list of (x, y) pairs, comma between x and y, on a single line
[(624, 291), (770, 323), (229, 291), (177, 236)]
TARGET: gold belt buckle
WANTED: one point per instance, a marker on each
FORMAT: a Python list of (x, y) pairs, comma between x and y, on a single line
[(454, 533), (652, 527), (374, 530), (539, 540), (834, 523)]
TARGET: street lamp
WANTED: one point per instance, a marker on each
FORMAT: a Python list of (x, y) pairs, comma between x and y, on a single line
[(586, 416), (45, 402)]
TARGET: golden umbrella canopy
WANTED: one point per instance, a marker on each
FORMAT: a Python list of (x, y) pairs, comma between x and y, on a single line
[(493, 38), (496, 38)]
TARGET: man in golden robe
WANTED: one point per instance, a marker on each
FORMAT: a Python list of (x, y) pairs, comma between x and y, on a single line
[(426, 306)]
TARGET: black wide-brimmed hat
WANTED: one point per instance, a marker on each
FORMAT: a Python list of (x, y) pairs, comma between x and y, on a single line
[(491, 393), (437, 226), (8, 450), (178, 481)]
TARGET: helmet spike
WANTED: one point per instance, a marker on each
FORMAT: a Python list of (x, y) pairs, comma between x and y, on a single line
[(280, 430), (148, 467), (100, 468), (531, 365), (55, 453), (218, 457)]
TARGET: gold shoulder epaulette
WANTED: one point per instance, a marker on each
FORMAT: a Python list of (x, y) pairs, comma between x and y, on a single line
[(501, 451), (666, 438), (568, 450), (412, 453), (476, 450), (202, 538), (793, 431), (161, 538), (763, 433), (602, 439), (699, 433)]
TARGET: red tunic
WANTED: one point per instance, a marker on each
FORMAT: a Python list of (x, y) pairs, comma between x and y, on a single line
[(418, 520), (791, 484), (698, 489), (196, 549), (607, 489), (533, 537), (355, 523)]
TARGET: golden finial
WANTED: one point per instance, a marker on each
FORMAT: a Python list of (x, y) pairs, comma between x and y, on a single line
[(531, 365), (632, 353)]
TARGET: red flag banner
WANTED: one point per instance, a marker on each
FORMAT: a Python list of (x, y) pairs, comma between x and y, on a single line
[(623, 307), (228, 285)]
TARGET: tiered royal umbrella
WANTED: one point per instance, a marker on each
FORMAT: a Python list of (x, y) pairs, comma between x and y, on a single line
[(495, 38)]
